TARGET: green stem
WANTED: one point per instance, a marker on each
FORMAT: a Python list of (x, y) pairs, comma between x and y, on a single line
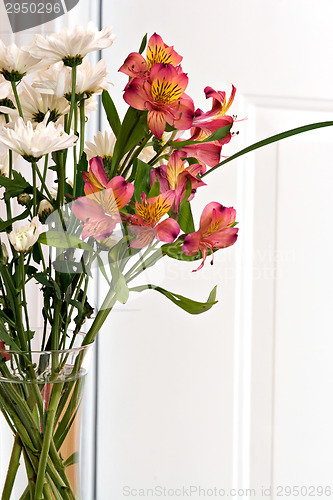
[(51, 412), (12, 469), (24, 298), (34, 187), (101, 316), (73, 103), (17, 99), (82, 126)]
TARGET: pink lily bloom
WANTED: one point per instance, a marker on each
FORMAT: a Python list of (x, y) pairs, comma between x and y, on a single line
[(136, 66), (99, 210), (215, 231), (164, 98), (96, 177), (145, 223), (204, 124), (174, 176), (208, 153)]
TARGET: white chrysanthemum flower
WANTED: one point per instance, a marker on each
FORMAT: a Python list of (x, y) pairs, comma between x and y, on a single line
[(71, 45), (89, 80), (34, 142), (5, 88), (24, 237), (35, 105), (16, 62), (102, 146), (4, 160)]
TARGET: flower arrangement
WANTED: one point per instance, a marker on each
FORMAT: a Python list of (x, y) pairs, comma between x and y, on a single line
[(122, 202)]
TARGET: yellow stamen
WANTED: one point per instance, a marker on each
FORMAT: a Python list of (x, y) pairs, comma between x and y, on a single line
[(153, 212), (165, 92)]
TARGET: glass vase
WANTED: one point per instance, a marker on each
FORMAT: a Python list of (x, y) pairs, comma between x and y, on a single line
[(40, 398)]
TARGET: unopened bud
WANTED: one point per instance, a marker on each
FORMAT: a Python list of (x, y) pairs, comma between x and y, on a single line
[(23, 199), (45, 209), (5, 254)]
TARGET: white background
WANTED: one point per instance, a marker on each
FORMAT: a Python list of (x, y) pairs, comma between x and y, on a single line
[(240, 397)]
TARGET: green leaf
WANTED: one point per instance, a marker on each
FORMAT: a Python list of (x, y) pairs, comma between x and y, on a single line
[(72, 459), (60, 239), (49, 283), (142, 179), (119, 283), (7, 339), (111, 112), (6, 223), (81, 167), (133, 129), (143, 44), (270, 140), (174, 251), (190, 306), (185, 219), (155, 189), (219, 134)]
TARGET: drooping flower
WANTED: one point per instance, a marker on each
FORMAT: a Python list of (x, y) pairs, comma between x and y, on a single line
[(99, 209), (164, 98), (175, 175), (146, 225), (136, 65), (45, 209), (215, 232), (15, 62), (24, 237), (71, 45), (34, 142)]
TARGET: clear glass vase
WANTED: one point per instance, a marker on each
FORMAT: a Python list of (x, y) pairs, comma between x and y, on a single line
[(40, 397)]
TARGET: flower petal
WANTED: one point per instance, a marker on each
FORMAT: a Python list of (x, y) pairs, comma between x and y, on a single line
[(191, 243), (135, 66), (167, 230)]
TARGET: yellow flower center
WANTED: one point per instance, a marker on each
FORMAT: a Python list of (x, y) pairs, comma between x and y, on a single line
[(158, 54), (153, 212), (165, 92)]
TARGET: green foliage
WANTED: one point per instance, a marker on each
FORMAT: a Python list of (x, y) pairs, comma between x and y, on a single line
[(111, 112), (143, 44), (188, 305), (219, 134), (142, 179)]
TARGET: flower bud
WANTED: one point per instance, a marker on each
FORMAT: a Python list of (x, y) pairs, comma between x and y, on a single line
[(26, 236), (23, 199), (45, 209), (5, 255)]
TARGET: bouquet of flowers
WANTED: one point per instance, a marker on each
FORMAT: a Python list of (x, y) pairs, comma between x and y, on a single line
[(121, 203)]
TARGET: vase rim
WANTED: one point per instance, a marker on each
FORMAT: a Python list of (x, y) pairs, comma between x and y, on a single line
[(47, 351)]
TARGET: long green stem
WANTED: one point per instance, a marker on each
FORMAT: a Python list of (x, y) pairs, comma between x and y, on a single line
[(12, 469), (101, 316), (17, 99), (51, 412), (73, 103)]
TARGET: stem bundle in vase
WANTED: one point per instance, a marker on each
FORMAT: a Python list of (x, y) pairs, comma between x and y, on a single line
[(119, 204)]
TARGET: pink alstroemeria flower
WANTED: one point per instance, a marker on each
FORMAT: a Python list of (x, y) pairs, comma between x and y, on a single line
[(145, 223), (163, 96), (136, 66), (99, 210), (215, 231), (96, 177), (174, 176), (216, 118)]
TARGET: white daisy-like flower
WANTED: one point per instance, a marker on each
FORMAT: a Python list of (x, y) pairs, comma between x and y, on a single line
[(24, 237), (35, 105), (5, 88), (90, 80), (34, 142), (4, 160), (71, 45), (16, 62), (102, 146)]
